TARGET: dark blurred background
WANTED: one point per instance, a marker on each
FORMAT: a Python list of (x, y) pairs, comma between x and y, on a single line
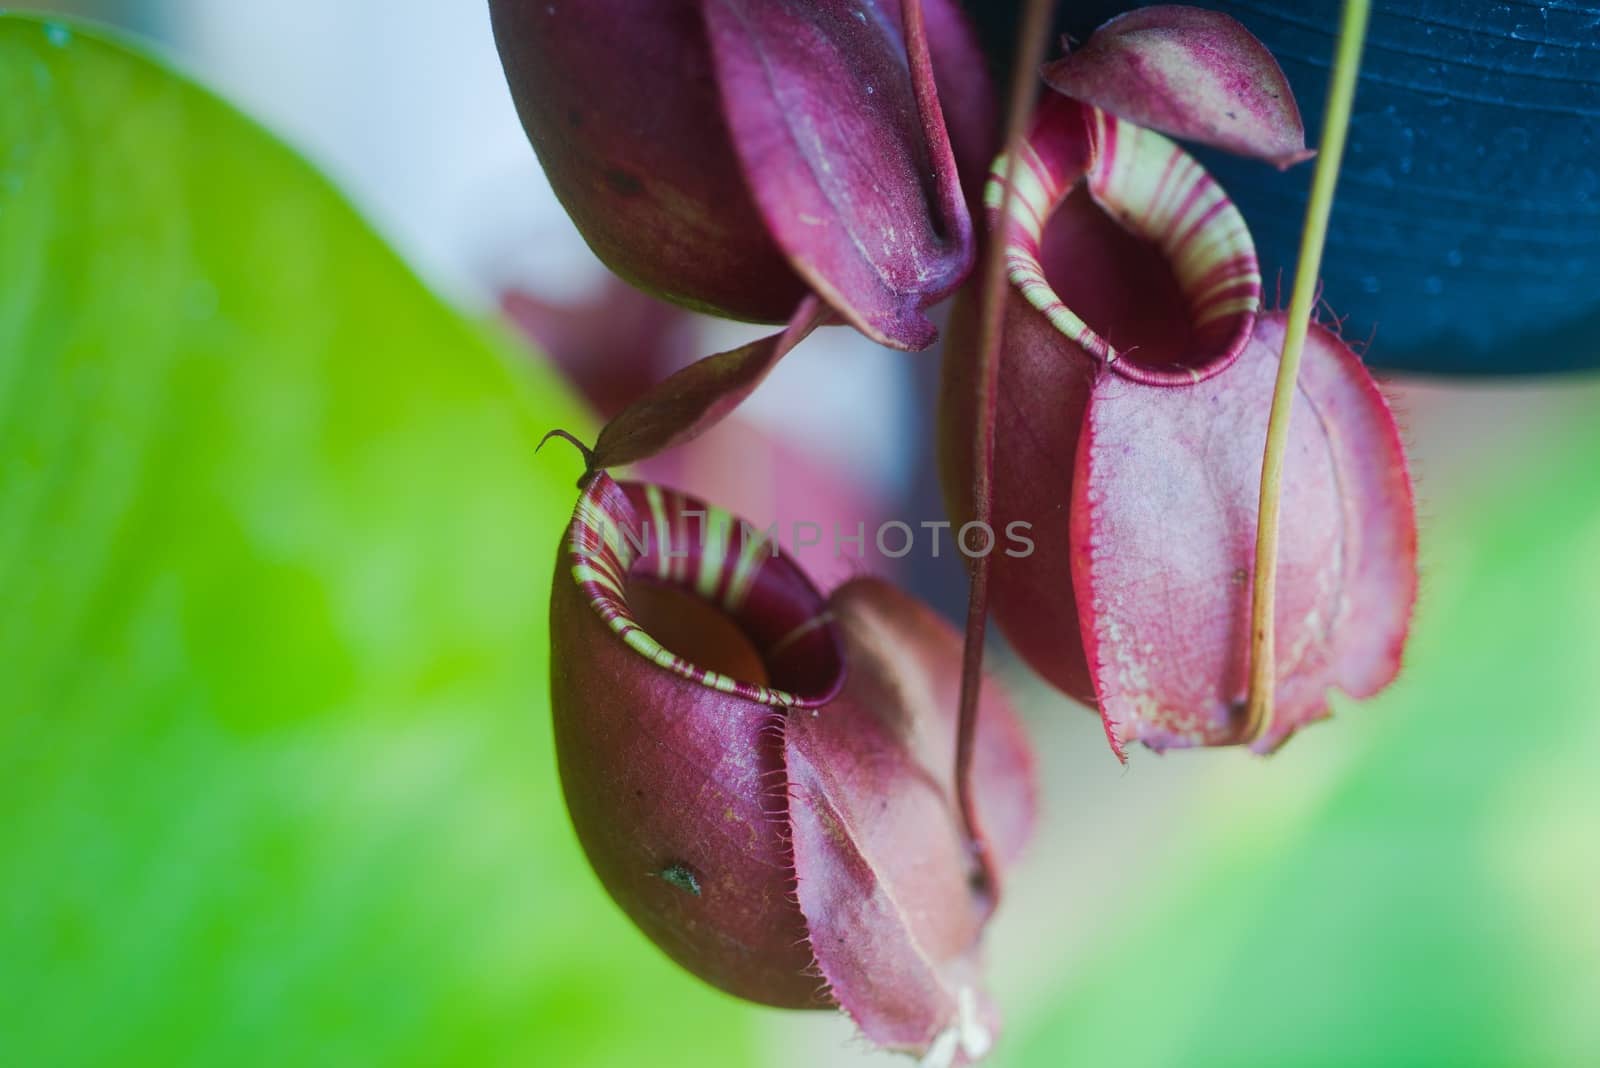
[(1467, 229)]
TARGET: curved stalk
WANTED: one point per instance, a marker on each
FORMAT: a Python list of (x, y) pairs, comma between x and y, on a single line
[(1335, 127), (1032, 39)]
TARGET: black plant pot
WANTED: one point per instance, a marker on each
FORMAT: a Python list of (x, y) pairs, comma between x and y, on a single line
[(1467, 229)]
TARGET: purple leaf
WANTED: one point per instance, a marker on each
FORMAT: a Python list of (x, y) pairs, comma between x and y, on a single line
[(1195, 74), (885, 877), (1163, 545), (692, 400), (835, 116)]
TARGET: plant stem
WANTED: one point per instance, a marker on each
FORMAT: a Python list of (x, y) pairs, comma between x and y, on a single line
[(1335, 127), (1032, 39)]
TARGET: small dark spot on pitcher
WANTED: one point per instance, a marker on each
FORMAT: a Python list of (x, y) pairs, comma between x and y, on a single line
[(623, 183)]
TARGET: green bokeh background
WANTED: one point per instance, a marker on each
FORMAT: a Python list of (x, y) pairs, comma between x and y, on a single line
[(275, 777)]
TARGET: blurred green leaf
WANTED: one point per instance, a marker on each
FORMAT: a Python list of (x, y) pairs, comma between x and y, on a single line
[(276, 784), (1415, 883)]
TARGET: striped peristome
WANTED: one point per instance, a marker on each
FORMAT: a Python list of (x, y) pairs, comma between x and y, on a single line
[(1158, 192), (628, 530), (766, 838)]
